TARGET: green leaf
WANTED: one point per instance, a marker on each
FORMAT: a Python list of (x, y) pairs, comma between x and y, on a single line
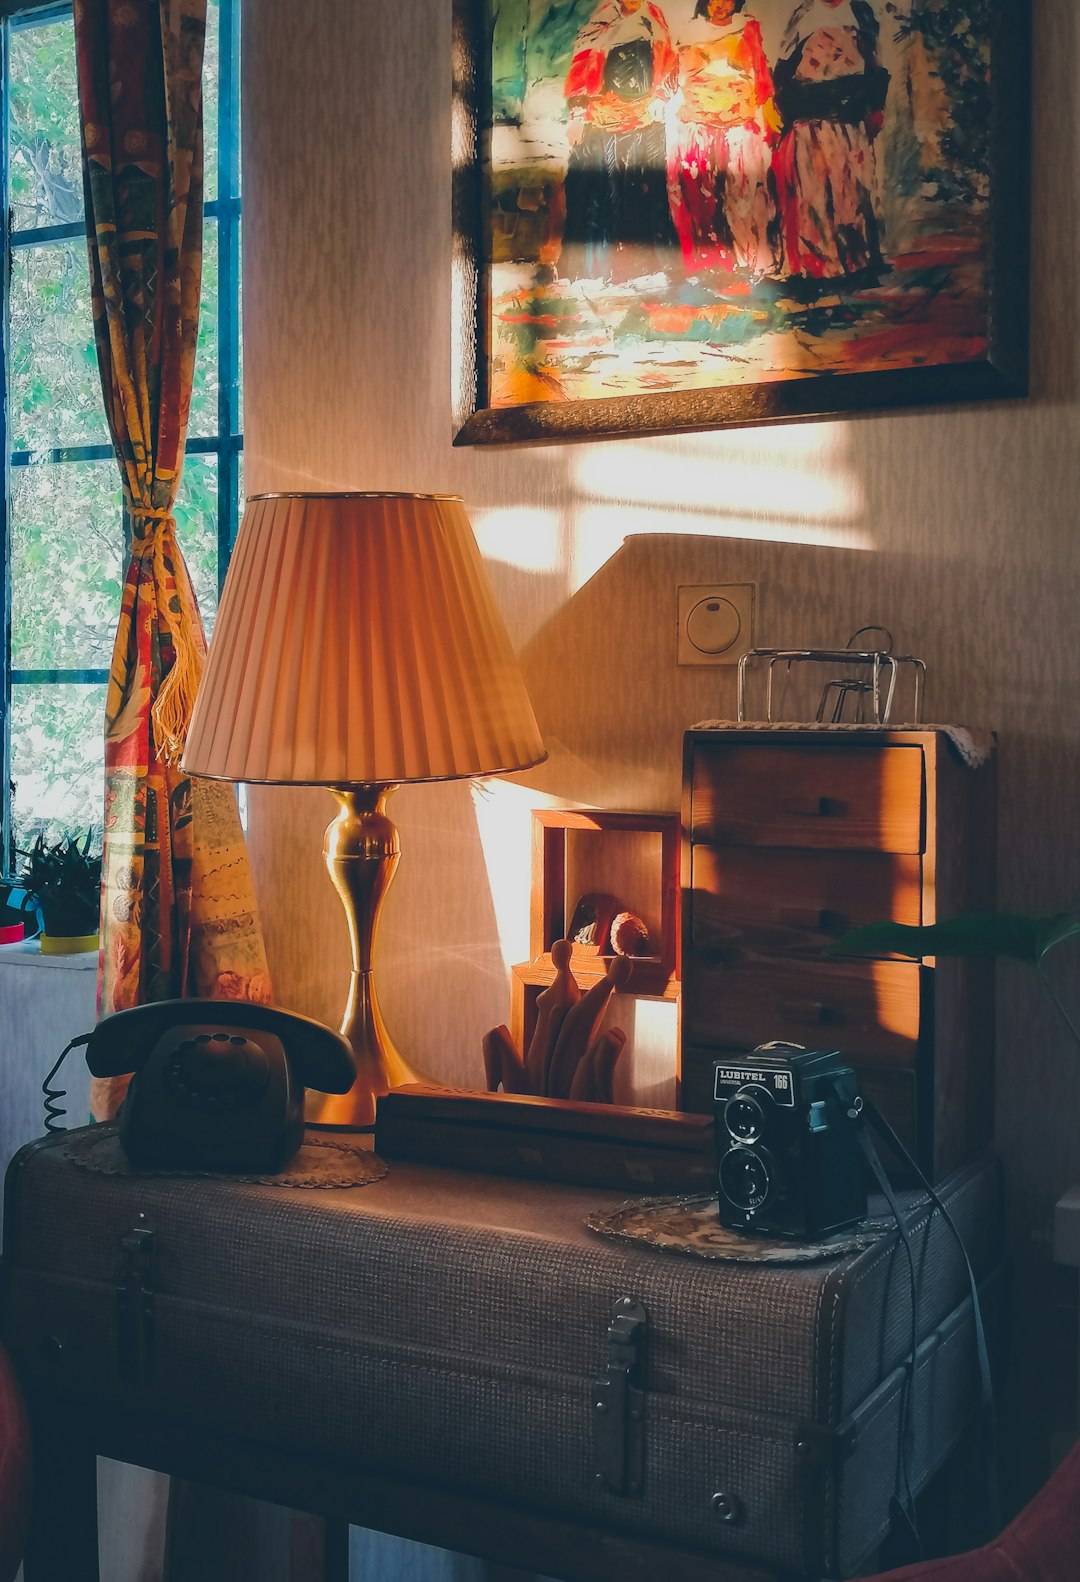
[(1055, 930), (1013, 934)]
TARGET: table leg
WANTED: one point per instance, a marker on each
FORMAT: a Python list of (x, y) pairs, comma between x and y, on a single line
[(335, 1550), (63, 1536)]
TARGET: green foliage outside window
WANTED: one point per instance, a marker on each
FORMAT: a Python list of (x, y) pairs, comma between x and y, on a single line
[(43, 106)]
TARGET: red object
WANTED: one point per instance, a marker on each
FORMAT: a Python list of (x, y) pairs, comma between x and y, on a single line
[(585, 79), (11, 933), (14, 1472), (1041, 1545)]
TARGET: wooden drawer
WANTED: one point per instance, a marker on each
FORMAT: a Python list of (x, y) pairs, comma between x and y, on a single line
[(790, 836), (868, 1010), (865, 798), (894, 1092), (796, 902)]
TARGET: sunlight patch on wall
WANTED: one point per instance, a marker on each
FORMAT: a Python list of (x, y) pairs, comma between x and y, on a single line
[(504, 823), (520, 536), (801, 489)]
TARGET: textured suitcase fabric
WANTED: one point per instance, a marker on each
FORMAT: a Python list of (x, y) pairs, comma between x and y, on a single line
[(450, 1328)]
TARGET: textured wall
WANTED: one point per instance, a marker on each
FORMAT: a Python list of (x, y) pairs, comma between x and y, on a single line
[(957, 528)]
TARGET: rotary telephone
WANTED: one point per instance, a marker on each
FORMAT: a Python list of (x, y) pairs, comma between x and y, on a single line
[(218, 1084)]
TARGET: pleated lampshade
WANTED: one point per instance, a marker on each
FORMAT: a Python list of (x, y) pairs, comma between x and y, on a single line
[(358, 641)]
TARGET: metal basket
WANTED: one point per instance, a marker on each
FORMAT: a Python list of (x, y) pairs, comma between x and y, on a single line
[(865, 693)]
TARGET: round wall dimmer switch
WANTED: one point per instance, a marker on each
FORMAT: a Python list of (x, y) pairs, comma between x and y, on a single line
[(713, 625)]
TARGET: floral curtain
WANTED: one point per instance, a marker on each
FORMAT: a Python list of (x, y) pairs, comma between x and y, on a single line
[(178, 910)]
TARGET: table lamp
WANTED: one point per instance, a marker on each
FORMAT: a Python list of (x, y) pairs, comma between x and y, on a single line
[(358, 646)]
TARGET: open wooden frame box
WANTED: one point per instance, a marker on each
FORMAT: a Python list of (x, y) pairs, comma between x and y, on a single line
[(634, 856)]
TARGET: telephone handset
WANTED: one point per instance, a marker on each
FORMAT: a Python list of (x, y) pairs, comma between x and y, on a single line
[(218, 1084)]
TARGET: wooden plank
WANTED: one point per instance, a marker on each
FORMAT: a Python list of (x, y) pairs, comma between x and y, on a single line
[(603, 1145), (796, 902), (62, 1540), (335, 1487), (960, 877), (823, 795), (533, 1115), (868, 1010), (547, 902)]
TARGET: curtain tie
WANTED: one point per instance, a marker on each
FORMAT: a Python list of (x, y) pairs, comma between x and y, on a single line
[(147, 521), (171, 711)]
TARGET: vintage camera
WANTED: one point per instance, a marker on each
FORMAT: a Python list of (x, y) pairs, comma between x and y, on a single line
[(787, 1157)]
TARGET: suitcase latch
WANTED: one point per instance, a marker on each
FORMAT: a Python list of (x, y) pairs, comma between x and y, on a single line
[(619, 1403), (820, 1446), (135, 1308)]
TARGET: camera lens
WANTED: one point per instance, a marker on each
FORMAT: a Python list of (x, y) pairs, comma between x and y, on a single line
[(744, 1116), (745, 1178)]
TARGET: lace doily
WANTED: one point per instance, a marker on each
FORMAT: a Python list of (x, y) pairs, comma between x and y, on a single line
[(321, 1162), (691, 1225)]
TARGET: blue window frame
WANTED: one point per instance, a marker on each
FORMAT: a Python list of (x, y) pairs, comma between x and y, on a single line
[(62, 517)]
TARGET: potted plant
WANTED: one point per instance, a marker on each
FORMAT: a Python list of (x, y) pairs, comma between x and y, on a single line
[(65, 881)]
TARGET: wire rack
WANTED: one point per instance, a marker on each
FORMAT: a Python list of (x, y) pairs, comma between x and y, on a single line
[(865, 691)]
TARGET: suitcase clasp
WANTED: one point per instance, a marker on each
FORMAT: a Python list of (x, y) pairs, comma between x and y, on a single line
[(135, 1308), (619, 1403)]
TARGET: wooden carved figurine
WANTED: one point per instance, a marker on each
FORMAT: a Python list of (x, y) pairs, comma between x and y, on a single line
[(568, 1056)]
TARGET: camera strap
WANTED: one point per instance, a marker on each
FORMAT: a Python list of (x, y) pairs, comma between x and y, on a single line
[(867, 1112), (904, 1498)]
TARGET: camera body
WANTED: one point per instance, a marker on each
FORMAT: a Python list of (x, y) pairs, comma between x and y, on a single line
[(788, 1161)]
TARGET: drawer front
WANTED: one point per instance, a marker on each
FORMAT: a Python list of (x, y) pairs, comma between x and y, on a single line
[(868, 1010), (860, 797), (796, 902), (894, 1092)]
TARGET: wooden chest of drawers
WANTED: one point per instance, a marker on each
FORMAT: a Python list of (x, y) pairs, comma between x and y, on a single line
[(793, 836)]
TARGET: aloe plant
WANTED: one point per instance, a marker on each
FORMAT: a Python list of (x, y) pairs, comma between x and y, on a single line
[(65, 881), (1014, 934)]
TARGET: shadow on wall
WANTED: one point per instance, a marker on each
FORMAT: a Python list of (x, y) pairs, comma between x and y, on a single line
[(599, 661), (614, 726)]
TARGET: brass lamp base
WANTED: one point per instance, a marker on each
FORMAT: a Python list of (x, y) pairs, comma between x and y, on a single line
[(362, 851)]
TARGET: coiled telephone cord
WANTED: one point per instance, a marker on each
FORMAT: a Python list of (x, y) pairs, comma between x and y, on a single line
[(54, 1110)]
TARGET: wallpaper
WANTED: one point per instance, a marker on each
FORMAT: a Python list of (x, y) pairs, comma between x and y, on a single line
[(956, 528)]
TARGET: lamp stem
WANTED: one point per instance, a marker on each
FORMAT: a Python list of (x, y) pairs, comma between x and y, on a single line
[(362, 851)]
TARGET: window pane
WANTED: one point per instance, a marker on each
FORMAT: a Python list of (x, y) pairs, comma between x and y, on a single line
[(211, 73), (46, 166), (204, 391), (67, 550), (55, 391), (196, 530), (57, 761)]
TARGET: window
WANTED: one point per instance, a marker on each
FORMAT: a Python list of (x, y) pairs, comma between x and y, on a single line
[(63, 529)]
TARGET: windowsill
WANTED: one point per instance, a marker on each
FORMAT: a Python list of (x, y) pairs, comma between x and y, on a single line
[(27, 953)]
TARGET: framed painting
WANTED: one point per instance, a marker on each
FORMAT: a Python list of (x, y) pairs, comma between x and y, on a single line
[(679, 214)]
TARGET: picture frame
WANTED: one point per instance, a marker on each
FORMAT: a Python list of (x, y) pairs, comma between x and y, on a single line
[(919, 298)]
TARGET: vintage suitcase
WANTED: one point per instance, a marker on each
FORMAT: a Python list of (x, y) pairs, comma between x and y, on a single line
[(470, 1332)]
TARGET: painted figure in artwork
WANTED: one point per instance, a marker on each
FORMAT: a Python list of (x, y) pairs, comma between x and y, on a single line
[(623, 72), (721, 146), (830, 91)]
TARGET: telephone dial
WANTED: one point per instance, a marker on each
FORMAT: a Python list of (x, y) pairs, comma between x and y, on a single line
[(218, 1084)]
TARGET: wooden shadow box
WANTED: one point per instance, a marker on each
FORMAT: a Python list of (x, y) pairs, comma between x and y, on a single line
[(632, 856)]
